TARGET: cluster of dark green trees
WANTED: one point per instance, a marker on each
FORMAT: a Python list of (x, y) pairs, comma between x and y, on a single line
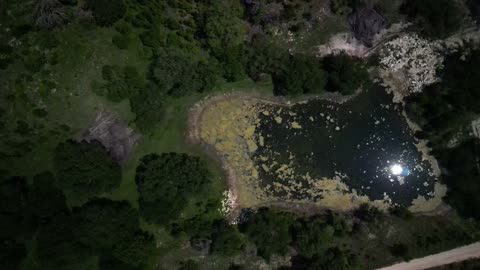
[(445, 111), (298, 74), (65, 224)]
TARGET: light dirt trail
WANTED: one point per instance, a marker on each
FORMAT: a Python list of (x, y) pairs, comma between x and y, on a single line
[(444, 258)]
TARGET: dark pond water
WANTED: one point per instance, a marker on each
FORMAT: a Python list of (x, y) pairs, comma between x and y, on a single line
[(365, 139)]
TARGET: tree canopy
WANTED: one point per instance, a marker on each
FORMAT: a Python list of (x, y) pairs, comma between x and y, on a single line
[(121, 83), (179, 73), (166, 182), (346, 74), (312, 237), (299, 75), (85, 170), (107, 12), (99, 227), (270, 231), (435, 18), (462, 178)]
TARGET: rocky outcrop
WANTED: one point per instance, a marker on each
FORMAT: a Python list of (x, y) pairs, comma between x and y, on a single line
[(366, 23)]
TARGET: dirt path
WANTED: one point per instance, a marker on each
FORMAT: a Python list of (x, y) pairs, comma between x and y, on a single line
[(444, 258)]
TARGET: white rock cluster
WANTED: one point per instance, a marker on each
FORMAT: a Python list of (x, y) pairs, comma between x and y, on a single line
[(228, 202), (416, 59)]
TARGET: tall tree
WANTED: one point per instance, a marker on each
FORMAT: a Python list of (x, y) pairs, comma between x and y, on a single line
[(165, 183), (107, 12), (270, 231), (85, 170)]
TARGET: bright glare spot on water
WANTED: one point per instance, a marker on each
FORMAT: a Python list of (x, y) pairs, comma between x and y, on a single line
[(396, 169)]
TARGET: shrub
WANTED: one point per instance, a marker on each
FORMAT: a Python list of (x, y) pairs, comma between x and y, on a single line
[(48, 14)]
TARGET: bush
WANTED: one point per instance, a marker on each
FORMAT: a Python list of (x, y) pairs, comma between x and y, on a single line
[(107, 12), (49, 14)]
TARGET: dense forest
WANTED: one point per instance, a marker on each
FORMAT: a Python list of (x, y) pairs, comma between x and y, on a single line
[(67, 202)]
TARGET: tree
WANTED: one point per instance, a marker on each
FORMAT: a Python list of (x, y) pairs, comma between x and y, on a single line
[(312, 237), (300, 75), (148, 106), (400, 250), (135, 250), (166, 182), (11, 254), (334, 259), (189, 265), (56, 246), (345, 73), (107, 12), (269, 230), (462, 178), (179, 73), (48, 14), (341, 7), (435, 18), (99, 227), (121, 83), (46, 199), (474, 6), (401, 212), (85, 169), (368, 213), (16, 219), (227, 240), (101, 224)]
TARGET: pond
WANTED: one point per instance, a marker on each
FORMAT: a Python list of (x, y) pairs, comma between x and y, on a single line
[(335, 155), (365, 141)]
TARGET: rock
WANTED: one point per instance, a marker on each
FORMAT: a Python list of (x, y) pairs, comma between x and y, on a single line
[(366, 23)]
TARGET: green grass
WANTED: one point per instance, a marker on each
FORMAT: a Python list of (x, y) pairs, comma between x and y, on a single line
[(170, 136)]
